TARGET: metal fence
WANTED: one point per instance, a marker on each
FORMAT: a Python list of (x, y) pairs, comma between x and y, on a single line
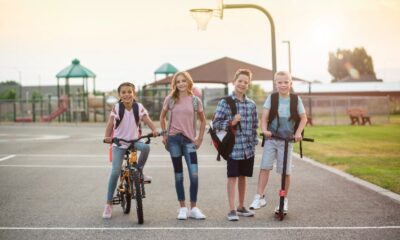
[(324, 110), (329, 110), (80, 109), (332, 110)]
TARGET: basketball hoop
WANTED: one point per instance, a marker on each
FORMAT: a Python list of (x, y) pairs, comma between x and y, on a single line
[(202, 17)]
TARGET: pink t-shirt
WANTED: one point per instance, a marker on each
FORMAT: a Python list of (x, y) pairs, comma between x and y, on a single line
[(182, 116), (127, 128)]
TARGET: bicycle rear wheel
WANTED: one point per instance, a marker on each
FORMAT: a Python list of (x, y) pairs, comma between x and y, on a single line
[(138, 197), (125, 196)]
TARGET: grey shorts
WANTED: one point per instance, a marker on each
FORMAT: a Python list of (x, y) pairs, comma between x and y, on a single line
[(275, 149)]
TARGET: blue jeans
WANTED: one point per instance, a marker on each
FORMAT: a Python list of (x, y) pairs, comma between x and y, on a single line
[(178, 146), (117, 157)]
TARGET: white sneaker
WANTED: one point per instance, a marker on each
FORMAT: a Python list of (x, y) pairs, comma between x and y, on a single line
[(107, 211), (285, 207), (196, 214), (183, 213), (258, 202)]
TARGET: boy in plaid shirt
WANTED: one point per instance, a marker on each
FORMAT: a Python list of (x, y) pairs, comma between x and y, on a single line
[(241, 160)]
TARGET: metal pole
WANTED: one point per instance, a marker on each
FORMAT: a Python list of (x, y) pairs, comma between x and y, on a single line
[(271, 21), (289, 56), (309, 99)]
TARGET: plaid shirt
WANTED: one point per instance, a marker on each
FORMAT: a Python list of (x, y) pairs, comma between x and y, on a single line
[(246, 139)]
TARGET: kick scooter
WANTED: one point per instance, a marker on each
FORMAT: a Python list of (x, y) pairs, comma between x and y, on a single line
[(280, 213)]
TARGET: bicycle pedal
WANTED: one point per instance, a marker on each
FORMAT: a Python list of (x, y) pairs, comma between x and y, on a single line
[(116, 200), (134, 197)]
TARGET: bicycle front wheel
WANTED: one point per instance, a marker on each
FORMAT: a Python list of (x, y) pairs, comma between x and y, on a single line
[(125, 196), (138, 197)]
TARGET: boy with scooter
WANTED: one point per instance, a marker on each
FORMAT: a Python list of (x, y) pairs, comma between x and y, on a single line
[(283, 117)]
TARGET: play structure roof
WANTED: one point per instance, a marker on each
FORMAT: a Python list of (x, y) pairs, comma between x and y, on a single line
[(75, 70), (166, 68)]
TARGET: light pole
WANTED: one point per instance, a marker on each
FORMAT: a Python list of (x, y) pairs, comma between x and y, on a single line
[(289, 55), (203, 15)]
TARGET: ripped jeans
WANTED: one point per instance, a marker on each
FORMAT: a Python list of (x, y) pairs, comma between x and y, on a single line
[(178, 146)]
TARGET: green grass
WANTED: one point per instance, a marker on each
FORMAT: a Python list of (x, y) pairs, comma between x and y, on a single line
[(371, 153)]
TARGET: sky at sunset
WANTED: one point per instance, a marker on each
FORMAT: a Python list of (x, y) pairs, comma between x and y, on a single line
[(126, 40)]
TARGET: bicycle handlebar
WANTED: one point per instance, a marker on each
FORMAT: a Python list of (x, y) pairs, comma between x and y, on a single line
[(131, 142)]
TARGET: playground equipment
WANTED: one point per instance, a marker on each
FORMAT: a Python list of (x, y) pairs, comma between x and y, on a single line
[(62, 108), (75, 70)]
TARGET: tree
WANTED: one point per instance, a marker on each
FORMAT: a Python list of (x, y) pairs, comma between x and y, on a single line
[(256, 92), (36, 96), (351, 65), (8, 94), (9, 83), (8, 90)]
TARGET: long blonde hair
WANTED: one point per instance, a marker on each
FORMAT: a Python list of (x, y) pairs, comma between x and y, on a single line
[(175, 91)]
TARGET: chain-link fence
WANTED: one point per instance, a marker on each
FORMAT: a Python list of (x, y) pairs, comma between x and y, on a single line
[(323, 110), (75, 108), (328, 110), (332, 110)]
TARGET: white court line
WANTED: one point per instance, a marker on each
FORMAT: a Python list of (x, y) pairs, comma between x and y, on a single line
[(198, 228), (7, 157), (94, 166), (103, 156)]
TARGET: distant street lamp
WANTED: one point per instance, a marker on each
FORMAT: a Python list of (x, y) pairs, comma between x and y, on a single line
[(289, 55), (203, 16)]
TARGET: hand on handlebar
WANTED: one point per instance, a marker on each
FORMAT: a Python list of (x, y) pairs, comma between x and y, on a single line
[(298, 137), (267, 134), (155, 133)]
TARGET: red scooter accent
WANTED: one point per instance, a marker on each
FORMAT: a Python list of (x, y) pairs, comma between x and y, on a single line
[(282, 193)]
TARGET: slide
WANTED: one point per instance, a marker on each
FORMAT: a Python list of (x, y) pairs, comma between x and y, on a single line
[(60, 110)]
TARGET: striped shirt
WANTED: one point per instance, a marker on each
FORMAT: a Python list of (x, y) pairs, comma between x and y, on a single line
[(246, 139)]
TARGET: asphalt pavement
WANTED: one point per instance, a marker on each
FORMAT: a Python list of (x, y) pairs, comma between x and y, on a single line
[(53, 182)]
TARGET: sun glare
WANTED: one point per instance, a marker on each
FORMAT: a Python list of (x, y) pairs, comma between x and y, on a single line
[(325, 35)]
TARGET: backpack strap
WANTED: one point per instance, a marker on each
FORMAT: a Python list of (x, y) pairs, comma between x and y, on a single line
[(232, 106), (273, 112), (121, 111), (171, 104), (195, 102), (135, 108), (294, 115)]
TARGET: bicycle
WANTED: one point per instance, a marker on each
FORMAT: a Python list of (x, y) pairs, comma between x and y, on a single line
[(131, 182), (280, 213)]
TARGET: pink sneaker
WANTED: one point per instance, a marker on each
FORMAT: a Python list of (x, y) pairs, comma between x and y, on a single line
[(147, 179), (107, 211)]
